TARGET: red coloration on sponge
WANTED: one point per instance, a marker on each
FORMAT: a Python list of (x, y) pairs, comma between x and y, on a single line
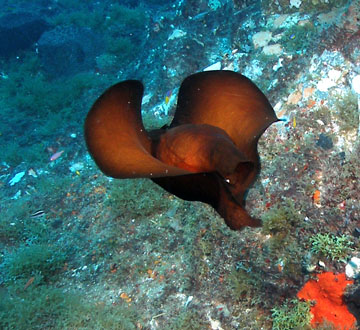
[(327, 292)]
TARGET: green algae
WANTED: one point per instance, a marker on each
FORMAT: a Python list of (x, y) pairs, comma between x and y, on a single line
[(346, 111), (188, 320), (116, 15), (291, 315), (331, 246), (244, 285), (150, 121), (122, 46), (284, 6), (36, 259), (299, 37), (129, 17), (48, 307), (137, 198), (280, 222)]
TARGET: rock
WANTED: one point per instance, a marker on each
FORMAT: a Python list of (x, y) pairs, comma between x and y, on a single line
[(356, 231), (130, 3), (19, 31), (324, 142), (295, 3), (328, 82), (261, 39), (275, 49), (352, 300), (294, 98), (177, 33), (68, 50), (356, 84), (215, 66), (352, 269), (308, 91), (16, 178), (76, 167)]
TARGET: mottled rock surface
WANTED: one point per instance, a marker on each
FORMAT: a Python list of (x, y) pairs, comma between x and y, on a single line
[(19, 31), (66, 50)]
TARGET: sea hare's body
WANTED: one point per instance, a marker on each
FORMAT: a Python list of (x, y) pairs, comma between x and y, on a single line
[(209, 151)]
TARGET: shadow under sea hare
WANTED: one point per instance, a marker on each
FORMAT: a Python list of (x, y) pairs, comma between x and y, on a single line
[(209, 151)]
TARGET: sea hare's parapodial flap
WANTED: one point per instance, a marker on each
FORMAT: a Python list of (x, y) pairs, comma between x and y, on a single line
[(116, 137), (228, 100)]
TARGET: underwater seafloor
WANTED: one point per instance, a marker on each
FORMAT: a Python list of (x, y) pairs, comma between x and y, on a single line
[(82, 251)]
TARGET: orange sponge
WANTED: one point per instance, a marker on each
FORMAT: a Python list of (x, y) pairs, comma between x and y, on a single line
[(327, 293)]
